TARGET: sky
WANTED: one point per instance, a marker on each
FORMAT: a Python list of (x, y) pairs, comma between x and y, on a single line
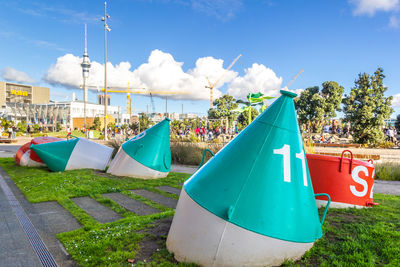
[(173, 45)]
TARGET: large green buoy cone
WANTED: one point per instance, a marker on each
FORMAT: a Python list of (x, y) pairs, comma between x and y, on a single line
[(256, 188), (147, 155), (76, 153)]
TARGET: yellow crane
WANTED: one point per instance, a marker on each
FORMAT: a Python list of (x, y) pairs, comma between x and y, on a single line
[(141, 91), (211, 86)]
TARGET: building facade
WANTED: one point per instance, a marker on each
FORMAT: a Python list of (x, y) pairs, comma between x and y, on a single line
[(24, 94)]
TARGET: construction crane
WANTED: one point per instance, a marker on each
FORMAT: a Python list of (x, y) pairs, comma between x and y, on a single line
[(294, 78), (127, 91), (141, 91), (211, 86)]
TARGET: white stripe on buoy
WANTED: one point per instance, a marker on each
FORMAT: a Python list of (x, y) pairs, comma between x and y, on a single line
[(124, 165), (89, 155), (337, 205), (27, 161), (198, 236)]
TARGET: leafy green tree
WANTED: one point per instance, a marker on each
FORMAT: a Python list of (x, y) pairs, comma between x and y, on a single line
[(58, 127), (397, 123), (366, 108), (176, 125), (21, 126), (243, 117), (223, 108), (36, 128), (96, 123), (144, 121), (332, 92), (6, 124), (310, 106)]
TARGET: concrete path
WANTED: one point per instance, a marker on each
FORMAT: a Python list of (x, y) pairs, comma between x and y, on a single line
[(99, 212), (387, 187), (131, 204), (49, 219), (170, 189), (183, 168), (15, 248), (163, 200)]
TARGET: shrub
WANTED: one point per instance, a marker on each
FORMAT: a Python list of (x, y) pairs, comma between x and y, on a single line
[(384, 144), (191, 153), (387, 171)]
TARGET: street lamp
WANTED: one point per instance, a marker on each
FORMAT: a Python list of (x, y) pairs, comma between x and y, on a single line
[(106, 29), (85, 73)]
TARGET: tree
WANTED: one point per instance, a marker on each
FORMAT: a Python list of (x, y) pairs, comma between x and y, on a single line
[(58, 127), (144, 121), (224, 106), (366, 108), (21, 126), (397, 123), (6, 124), (96, 123), (333, 94), (243, 117), (310, 106)]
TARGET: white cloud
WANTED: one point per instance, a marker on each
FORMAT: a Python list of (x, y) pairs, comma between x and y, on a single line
[(396, 100), (11, 74), (161, 72), (369, 7), (257, 78)]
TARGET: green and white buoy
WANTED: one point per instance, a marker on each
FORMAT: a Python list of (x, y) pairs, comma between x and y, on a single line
[(252, 204), (147, 155), (72, 154)]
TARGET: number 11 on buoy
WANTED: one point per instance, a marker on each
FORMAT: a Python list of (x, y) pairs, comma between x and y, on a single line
[(285, 152)]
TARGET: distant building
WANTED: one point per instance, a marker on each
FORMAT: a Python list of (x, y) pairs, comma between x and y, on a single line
[(23, 94), (187, 116)]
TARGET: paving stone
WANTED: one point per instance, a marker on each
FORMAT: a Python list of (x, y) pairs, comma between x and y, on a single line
[(54, 216), (163, 200), (99, 212), (131, 204), (170, 189)]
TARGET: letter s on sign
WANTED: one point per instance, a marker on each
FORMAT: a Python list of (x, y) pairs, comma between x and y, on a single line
[(356, 177)]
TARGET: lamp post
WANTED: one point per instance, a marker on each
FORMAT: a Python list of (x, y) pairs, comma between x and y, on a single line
[(85, 74), (106, 29)]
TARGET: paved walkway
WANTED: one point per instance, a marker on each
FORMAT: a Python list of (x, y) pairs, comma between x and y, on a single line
[(15, 249), (387, 187)]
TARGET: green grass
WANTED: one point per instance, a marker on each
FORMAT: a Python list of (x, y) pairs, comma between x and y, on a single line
[(63, 134), (352, 237), (95, 244), (359, 237), (387, 171)]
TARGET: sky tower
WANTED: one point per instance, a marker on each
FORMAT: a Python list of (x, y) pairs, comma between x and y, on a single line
[(85, 74)]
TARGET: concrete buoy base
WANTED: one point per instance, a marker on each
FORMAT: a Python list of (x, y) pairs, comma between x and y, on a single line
[(124, 165), (198, 236)]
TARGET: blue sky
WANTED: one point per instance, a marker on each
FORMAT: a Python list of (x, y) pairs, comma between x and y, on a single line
[(41, 42)]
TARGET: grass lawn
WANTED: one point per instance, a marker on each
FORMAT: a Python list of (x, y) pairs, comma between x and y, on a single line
[(63, 134), (353, 237)]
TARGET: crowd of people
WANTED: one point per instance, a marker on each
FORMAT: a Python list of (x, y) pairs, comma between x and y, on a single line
[(206, 133)]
